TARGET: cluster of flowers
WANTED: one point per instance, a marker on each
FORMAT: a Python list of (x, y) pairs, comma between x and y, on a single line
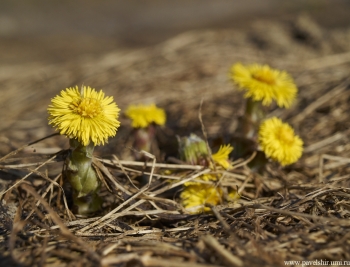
[(89, 118), (198, 195), (262, 86)]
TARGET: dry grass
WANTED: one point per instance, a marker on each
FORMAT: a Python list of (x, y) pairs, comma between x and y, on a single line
[(297, 213)]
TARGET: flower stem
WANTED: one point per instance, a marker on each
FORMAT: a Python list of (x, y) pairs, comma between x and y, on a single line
[(193, 150), (82, 178), (145, 139), (251, 119)]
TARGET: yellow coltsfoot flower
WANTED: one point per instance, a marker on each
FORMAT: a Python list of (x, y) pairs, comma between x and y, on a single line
[(85, 115), (144, 115), (195, 197), (265, 84), (193, 150), (278, 141), (145, 119), (88, 118), (222, 156)]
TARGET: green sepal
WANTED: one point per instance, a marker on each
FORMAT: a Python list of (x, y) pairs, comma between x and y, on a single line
[(193, 150), (83, 178), (249, 123)]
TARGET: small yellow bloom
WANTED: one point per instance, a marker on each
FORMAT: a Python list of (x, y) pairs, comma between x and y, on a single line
[(195, 197), (233, 196), (85, 115), (279, 142), (142, 115), (221, 157), (265, 84)]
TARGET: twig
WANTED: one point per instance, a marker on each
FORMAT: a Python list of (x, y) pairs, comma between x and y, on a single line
[(324, 142), (63, 229), (29, 144), (227, 256), (25, 177), (156, 165), (327, 61), (320, 101)]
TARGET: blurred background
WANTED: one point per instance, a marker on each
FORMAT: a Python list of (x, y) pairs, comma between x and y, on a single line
[(137, 50), (61, 30)]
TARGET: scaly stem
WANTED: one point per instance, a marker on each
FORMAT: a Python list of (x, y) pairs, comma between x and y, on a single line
[(248, 128), (144, 139), (251, 119), (193, 150), (82, 178)]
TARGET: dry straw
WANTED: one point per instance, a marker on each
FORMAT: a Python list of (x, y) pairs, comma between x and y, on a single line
[(298, 213)]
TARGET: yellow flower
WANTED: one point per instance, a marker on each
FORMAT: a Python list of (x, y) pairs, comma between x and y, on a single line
[(233, 196), (221, 157), (279, 142), (195, 197), (87, 116), (142, 115), (265, 84)]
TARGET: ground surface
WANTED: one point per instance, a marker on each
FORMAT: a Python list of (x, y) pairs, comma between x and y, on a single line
[(297, 213)]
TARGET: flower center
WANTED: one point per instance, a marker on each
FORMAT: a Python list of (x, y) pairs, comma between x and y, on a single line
[(286, 135), (86, 107), (264, 77)]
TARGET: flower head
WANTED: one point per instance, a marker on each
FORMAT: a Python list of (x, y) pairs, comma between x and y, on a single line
[(193, 150), (142, 115), (85, 115), (195, 197), (265, 84), (279, 142), (221, 157)]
